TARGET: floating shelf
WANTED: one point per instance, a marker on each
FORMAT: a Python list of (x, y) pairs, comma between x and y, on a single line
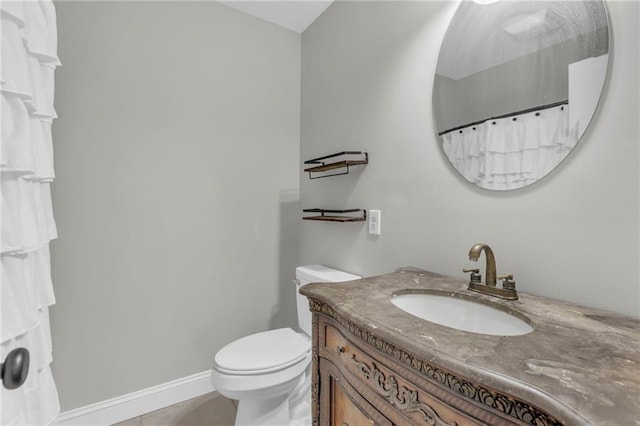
[(336, 215), (339, 163)]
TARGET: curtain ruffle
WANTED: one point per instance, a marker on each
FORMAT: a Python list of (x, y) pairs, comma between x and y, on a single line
[(36, 407), (26, 290), (36, 401), (26, 141), (27, 214), (28, 49)]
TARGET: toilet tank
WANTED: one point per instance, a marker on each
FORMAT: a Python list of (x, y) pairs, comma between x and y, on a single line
[(314, 274)]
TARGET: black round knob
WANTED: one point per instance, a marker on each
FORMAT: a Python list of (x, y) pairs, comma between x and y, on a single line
[(15, 368)]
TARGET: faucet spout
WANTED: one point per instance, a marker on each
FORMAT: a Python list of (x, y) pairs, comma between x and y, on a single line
[(490, 270)]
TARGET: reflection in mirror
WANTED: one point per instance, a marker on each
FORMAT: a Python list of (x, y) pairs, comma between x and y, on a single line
[(516, 85)]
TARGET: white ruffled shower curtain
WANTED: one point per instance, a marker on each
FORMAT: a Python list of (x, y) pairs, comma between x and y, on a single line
[(29, 58), (511, 152)]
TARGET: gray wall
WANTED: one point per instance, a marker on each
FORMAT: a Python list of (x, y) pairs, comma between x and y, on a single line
[(367, 78), (176, 195)]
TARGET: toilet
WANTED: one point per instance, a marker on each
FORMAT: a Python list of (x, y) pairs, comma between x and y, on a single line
[(269, 373)]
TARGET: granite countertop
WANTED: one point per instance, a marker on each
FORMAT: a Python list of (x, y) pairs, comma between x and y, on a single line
[(581, 365)]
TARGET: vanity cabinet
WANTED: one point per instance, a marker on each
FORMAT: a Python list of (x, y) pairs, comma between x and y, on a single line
[(374, 363), (360, 379)]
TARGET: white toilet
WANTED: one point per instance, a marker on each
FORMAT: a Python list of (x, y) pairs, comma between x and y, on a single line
[(269, 373)]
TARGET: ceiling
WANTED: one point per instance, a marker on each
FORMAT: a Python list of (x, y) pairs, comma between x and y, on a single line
[(295, 15), (506, 30)]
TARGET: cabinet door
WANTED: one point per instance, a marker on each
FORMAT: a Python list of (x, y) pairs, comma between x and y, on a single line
[(341, 405)]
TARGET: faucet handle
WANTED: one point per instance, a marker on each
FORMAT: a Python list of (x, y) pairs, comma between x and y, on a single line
[(507, 281), (475, 277)]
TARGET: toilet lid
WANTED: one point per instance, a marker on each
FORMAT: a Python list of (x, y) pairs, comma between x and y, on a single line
[(263, 352)]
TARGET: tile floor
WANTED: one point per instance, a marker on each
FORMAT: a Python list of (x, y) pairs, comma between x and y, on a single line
[(211, 409)]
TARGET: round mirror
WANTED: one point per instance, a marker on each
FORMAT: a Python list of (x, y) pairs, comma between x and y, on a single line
[(516, 85)]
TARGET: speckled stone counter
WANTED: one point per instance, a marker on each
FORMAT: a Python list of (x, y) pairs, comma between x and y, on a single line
[(581, 365)]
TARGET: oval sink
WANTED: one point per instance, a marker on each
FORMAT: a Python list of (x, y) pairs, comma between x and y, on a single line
[(461, 314)]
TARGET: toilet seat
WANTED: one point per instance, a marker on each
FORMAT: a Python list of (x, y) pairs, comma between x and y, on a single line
[(261, 353)]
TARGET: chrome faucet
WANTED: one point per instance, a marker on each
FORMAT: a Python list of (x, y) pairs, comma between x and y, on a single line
[(508, 289)]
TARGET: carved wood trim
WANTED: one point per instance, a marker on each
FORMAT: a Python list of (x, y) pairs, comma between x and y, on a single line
[(315, 376), (492, 399), (400, 396)]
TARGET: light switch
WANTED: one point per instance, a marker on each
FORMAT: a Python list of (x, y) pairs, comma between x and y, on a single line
[(374, 222)]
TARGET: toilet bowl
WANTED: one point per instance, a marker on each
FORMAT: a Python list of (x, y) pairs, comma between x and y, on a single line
[(262, 371), (269, 373)]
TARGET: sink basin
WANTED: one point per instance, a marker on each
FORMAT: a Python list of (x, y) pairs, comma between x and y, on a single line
[(451, 310)]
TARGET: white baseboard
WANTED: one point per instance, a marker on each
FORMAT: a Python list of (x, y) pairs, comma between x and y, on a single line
[(138, 403)]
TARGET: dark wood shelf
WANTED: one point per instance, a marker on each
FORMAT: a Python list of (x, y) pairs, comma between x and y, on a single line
[(335, 218), (336, 215), (341, 163), (338, 165)]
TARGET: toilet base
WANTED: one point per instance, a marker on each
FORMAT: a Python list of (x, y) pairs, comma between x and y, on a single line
[(291, 409), (263, 412), (300, 402), (301, 415)]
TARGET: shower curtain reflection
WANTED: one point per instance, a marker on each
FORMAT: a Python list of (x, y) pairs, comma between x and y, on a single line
[(511, 152)]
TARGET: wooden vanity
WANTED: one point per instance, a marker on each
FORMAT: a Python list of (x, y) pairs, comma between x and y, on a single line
[(376, 364)]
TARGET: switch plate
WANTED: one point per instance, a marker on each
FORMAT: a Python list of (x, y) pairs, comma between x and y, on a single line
[(374, 222)]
